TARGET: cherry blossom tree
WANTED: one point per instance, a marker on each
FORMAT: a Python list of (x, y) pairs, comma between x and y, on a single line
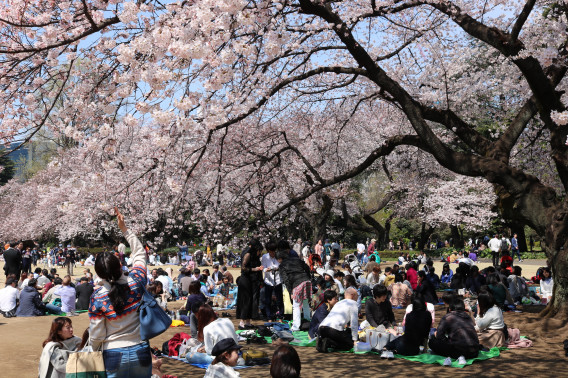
[(158, 97)]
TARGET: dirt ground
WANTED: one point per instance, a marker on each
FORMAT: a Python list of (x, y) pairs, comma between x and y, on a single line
[(21, 338)]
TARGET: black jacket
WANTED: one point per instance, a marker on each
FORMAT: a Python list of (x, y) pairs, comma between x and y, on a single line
[(13, 261), (84, 292), (379, 313), (428, 292), (293, 272)]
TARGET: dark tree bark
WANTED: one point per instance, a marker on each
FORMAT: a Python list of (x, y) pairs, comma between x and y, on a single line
[(425, 233), (457, 237)]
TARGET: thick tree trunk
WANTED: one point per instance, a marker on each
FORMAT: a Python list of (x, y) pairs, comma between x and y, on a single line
[(557, 251), (425, 233), (457, 236), (321, 219), (519, 229)]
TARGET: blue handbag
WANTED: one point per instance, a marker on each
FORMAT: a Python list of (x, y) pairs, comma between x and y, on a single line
[(153, 319)]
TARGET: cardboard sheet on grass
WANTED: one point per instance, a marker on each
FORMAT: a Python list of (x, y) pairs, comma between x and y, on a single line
[(301, 338), (205, 366)]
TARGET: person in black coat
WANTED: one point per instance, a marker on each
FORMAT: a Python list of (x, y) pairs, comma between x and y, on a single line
[(426, 289), (295, 276), (417, 328), (13, 260), (249, 284), (84, 291), (378, 310)]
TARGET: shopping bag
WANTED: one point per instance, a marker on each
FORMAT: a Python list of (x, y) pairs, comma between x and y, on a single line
[(85, 365), (377, 339)]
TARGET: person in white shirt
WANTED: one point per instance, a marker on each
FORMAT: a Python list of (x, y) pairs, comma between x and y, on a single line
[(226, 356), (332, 330), (9, 297), (306, 253), (360, 250), (489, 322), (401, 259), (272, 282), (546, 284), (495, 245)]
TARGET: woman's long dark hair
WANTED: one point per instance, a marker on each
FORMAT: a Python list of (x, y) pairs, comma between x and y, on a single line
[(108, 267), (56, 326), (485, 300), (205, 316)]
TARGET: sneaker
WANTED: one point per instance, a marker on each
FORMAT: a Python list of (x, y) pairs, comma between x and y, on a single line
[(385, 354), (391, 355), (461, 360), (448, 361)]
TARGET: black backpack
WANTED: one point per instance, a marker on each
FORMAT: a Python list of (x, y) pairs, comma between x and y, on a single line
[(504, 245)]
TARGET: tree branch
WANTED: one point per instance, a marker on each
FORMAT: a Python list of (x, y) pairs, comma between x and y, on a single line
[(527, 9)]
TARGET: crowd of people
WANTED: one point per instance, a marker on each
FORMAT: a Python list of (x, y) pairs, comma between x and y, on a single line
[(327, 299)]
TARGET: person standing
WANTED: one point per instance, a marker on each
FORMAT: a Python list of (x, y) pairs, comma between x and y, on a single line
[(70, 260), (272, 282), (13, 260), (318, 249), (113, 311), (371, 247), (495, 246), (515, 248), (249, 284), (295, 274)]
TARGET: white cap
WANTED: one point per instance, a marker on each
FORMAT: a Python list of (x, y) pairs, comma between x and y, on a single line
[(330, 272)]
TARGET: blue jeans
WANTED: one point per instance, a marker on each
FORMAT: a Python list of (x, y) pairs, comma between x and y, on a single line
[(516, 252), (268, 290), (134, 361), (53, 309)]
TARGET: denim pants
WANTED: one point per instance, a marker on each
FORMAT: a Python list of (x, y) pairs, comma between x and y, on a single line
[(53, 309), (134, 361), (277, 290)]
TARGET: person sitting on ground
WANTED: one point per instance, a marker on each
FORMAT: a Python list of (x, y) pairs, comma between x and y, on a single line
[(446, 277), (43, 278), (317, 297), (426, 289), (68, 296), (156, 290), (350, 281), (448, 297), (329, 300), (417, 328), (412, 274), (226, 287), (31, 304), (401, 293), (456, 335), (433, 277), (194, 295), (184, 280), (332, 331), (429, 306), (285, 363), (517, 286), (211, 329), (546, 284), (475, 280), (489, 322), (203, 287), (9, 298), (389, 276), (375, 277), (226, 356), (499, 291), (56, 348), (330, 282), (84, 291), (228, 274), (378, 310)]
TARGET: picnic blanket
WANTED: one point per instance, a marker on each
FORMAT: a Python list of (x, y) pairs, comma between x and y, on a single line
[(435, 359), (205, 366), (64, 314), (301, 338)]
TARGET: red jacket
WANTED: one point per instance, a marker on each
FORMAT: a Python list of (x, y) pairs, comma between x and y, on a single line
[(412, 277)]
